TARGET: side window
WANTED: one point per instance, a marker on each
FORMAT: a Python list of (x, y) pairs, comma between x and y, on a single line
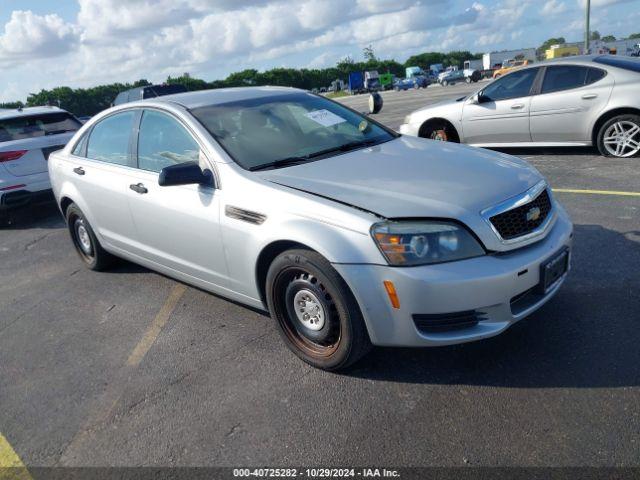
[(564, 77), (513, 85), (80, 150), (594, 75), (109, 140), (163, 141)]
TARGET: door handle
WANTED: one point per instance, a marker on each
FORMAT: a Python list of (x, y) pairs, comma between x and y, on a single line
[(517, 106), (589, 96), (79, 170), (138, 188)]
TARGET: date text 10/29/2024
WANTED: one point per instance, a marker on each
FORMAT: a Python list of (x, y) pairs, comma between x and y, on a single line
[(316, 472)]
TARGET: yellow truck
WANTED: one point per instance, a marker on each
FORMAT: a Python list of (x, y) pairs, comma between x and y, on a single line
[(559, 51)]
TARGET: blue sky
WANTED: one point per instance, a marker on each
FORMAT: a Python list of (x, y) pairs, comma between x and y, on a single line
[(80, 43)]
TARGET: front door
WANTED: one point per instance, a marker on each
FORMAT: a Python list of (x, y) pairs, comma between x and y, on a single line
[(501, 114), (179, 226)]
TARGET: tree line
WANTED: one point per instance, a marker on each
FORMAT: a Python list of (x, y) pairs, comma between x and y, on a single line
[(89, 101)]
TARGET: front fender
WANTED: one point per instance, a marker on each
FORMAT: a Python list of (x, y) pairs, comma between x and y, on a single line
[(338, 244)]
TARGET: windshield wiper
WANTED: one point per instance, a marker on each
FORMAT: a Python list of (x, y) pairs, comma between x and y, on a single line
[(57, 132), (344, 148), (285, 162)]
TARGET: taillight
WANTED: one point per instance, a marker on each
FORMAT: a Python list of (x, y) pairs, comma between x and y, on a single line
[(12, 155)]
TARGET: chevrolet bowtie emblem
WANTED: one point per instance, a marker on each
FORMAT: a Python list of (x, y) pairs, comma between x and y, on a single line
[(533, 214)]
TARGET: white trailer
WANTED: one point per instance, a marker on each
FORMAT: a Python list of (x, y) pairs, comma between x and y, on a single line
[(494, 59)]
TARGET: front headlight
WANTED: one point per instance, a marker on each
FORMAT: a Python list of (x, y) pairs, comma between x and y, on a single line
[(424, 242)]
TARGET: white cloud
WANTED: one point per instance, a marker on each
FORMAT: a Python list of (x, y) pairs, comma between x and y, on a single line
[(554, 7), (28, 36)]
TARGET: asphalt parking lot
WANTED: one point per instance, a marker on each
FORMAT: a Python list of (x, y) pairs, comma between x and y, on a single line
[(131, 368)]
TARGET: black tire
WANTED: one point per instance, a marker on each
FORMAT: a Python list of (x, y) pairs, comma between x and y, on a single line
[(440, 131), (84, 240), (339, 337), (625, 119)]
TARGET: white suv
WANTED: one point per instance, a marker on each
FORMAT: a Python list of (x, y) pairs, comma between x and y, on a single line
[(27, 137)]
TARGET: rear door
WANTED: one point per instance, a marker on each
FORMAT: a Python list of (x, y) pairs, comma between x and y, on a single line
[(569, 96), (26, 141), (102, 169), (502, 114)]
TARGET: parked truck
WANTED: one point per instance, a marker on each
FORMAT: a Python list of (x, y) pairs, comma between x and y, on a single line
[(473, 70), (371, 81), (356, 83), (493, 60)]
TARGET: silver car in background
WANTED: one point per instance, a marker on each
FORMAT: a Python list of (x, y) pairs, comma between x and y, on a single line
[(348, 233), (576, 101)]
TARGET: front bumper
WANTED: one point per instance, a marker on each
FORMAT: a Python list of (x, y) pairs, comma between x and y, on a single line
[(500, 286)]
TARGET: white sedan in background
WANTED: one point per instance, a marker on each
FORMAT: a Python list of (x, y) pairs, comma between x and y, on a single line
[(577, 101), (27, 137)]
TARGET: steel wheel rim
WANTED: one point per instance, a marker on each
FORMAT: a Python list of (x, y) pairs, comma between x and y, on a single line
[(293, 328), (622, 139), (82, 237), (309, 310)]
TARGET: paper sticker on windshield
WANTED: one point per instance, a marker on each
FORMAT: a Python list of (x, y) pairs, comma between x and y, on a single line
[(325, 117)]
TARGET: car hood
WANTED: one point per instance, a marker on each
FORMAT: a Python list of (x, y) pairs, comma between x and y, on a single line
[(413, 177), (446, 104)]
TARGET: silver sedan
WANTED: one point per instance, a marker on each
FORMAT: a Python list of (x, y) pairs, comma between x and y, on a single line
[(349, 234), (578, 101)]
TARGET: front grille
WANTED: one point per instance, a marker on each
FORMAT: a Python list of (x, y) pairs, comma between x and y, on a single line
[(444, 322), (524, 219)]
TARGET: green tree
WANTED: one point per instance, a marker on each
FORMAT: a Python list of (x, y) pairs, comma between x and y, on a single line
[(12, 105), (595, 35), (608, 38), (634, 35), (368, 54)]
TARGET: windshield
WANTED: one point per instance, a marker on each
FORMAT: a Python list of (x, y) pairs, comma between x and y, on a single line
[(259, 132), (29, 126)]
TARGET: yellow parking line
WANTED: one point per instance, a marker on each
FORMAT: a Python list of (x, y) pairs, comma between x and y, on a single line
[(598, 192), (11, 467), (158, 323)]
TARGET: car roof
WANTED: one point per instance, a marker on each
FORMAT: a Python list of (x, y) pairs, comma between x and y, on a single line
[(219, 96), (27, 111)]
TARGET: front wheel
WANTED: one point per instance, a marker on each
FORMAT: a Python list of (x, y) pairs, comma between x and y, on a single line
[(620, 136), (317, 315)]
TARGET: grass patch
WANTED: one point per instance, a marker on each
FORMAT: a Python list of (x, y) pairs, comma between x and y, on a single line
[(339, 94)]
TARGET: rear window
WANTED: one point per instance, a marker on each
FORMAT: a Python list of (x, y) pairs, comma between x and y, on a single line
[(626, 63), (160, 90), (31, 126)]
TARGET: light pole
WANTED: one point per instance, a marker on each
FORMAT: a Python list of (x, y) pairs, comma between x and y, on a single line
[(587, 14)]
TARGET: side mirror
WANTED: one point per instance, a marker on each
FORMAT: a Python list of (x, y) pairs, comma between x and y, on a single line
[(375, 103), (188, 173), (474, 99)]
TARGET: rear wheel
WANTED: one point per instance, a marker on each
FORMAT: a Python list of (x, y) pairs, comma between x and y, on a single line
[(317, 315), (620, 136), (85, 241)]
